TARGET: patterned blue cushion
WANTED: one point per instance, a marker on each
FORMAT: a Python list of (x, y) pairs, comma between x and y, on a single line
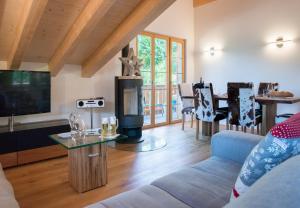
[(266, 155)]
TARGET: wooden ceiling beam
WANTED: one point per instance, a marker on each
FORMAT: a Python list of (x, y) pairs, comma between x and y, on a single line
[(143, 15), (198, 3), (93, 12), (31, 15), (2, 7)]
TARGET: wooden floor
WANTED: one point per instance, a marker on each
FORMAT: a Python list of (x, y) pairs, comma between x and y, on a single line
[(45, 184)]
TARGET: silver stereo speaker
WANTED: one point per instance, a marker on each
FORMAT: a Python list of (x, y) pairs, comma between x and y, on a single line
[(90, 103)]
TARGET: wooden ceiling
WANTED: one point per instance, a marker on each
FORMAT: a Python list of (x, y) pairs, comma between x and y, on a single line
[(84, 32), (198, 3)]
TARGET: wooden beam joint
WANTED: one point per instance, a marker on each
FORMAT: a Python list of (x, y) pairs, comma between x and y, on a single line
[(31, 15)]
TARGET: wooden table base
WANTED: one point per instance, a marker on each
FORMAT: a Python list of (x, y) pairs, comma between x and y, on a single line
[(269, 117), (207, 128), (88, 167)]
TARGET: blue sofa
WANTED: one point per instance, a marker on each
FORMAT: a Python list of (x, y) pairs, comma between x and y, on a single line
[(208, 184)]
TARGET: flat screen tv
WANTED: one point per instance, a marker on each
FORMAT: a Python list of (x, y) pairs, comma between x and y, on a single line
[(24, 92)]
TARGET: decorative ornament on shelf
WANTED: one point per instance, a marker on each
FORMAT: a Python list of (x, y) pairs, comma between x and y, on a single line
[(132, 64), (77, 125)]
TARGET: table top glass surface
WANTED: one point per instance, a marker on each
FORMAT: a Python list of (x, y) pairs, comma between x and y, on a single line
[(88, 139)]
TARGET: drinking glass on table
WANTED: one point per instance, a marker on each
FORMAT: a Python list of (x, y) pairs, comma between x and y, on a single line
[(114, 124), (79, 125), (104, 127)]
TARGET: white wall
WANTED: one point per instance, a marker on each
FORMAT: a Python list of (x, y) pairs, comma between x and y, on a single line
[(68, 85), (178, 21), (243, 29)]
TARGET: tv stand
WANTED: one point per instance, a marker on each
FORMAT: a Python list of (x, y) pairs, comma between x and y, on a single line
[(22, 143)]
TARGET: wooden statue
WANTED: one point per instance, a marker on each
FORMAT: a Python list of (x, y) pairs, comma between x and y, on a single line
[(132, 64)]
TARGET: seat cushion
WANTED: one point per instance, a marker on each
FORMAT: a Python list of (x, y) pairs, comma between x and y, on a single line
[(144, 197), (277, 189), (187, 110), (207, 184)]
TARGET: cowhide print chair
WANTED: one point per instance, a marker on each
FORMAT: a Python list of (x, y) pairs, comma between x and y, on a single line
[(206, 108), (241, 104), (187, 99)]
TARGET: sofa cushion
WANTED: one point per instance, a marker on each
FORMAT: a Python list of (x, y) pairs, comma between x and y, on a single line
[(5, 188), (8, 202), (281, 143), (207, 184), (144, 197), (234, 145), (277, 189), (7, 197)]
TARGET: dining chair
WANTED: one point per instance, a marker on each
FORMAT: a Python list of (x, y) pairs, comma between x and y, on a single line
[(187, 99), (241, 104), (205, 107)]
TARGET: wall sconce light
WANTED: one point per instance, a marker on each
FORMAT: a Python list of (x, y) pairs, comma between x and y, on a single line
[(280, 42), (212, 51)]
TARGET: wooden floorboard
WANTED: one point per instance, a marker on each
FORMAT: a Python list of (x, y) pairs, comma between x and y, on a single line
[(45, 184)]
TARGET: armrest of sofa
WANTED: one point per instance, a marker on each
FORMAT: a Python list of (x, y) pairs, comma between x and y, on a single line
[(277, 188), (7, 197), (233, 145)]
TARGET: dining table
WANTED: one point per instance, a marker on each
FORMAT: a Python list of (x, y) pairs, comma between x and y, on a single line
[(269, 109)]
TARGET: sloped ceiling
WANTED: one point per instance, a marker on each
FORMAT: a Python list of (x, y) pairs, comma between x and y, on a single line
[(84, 32)]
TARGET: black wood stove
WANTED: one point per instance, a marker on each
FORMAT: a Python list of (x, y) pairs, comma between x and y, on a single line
[(129, 107)]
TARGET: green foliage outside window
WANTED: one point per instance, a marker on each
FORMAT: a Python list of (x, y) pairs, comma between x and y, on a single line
[(144, 53)]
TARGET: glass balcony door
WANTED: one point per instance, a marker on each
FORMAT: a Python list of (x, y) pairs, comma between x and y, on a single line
[(144, 50), (161, 76)]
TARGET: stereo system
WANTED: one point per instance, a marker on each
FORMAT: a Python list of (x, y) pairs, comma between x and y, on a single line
[(90, 103)]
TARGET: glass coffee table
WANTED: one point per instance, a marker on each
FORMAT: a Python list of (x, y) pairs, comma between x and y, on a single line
[(87, 159)]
